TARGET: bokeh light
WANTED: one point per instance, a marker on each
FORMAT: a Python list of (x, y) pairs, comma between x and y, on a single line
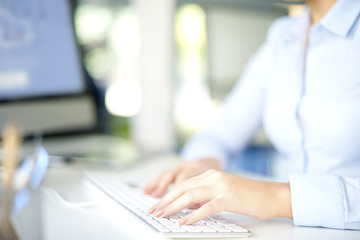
[(190, 25), (97, 63), (194, 108), (124, 39), (124, 98), (92, 23)]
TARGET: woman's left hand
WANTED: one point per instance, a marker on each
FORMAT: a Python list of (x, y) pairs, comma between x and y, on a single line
[(217, 191)]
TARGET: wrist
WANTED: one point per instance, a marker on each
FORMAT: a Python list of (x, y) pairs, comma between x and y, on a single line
[(282, 195), (211, 163)]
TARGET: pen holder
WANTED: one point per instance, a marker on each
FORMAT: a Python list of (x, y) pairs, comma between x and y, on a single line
[(20, 204), (25, 224), (7, 230), (20, 198)]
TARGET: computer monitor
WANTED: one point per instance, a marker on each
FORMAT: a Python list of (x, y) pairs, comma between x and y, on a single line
[(42, 87)]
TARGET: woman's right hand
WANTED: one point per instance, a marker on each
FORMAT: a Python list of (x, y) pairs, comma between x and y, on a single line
[(158, 186)]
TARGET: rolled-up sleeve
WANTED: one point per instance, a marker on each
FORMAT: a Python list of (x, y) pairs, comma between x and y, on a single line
[(325, 200)]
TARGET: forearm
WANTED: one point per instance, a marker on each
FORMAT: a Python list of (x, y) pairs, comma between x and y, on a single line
[(281, 196), (263, 199)]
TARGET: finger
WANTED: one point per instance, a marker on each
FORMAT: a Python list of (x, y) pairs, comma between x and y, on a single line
[(178, 191), (163, 183), (208, 209), (180, 178), (184, 175), (191, 197), (196, 205), (152, 184)]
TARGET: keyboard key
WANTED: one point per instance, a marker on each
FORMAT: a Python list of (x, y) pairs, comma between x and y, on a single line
[(181, 214), (175, 221), (226, 222), (164, 230), (237, 229), (190, 228), (216, 218), (205, 228), (166, 222), (213, 224), (153, 222), (174, 217), (221, 228), (177, 229), (208, 221), (187, 211), (161, 228)]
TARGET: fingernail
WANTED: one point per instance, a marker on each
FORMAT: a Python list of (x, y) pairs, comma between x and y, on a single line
[(163, 215), (159, 213), (151, 210), (183, 221)]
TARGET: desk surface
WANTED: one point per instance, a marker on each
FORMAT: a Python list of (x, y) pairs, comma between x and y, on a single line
[(71, 211)]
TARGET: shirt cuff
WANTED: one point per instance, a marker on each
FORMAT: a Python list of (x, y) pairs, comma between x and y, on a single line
[(317, 200)]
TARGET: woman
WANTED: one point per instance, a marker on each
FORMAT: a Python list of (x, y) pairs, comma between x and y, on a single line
[(303, 85)]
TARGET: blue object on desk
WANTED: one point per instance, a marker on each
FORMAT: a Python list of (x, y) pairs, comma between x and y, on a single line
[(29, 176), (39, 170), (256, 159)]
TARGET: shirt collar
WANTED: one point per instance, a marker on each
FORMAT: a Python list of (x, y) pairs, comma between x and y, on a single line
[(341, 17), (299, 27)]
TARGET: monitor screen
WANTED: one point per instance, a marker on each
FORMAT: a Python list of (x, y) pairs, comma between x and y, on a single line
[(41, 80), (38, 54)]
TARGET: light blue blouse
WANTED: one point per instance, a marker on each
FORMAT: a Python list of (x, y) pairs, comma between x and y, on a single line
[(308, 100)]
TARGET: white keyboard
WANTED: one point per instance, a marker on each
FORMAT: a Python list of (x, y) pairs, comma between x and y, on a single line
[(132, 198)]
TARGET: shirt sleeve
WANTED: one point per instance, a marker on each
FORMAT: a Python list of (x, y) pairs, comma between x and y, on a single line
[(242, 110), (241, 116), (325, 200)]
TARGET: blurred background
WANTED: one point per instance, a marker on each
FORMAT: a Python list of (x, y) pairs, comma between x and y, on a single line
[(159, 70), (212, 42)]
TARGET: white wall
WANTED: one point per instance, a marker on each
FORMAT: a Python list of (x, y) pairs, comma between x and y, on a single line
[(234, 35), (153, 127)]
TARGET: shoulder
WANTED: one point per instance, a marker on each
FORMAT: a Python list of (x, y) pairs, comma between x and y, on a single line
[(281, 27)]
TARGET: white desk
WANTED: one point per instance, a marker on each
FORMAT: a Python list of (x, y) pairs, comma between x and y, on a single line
[(104, 219)]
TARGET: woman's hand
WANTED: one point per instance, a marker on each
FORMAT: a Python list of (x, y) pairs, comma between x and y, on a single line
[(221, 191), (158, 186)]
